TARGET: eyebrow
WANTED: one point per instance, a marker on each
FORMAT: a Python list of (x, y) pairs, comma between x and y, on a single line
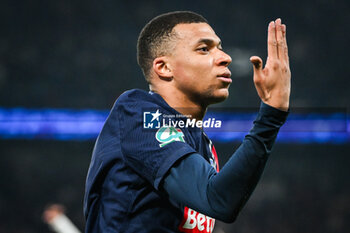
[(208, 41)]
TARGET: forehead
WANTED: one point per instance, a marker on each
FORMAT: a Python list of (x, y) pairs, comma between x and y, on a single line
[(194, 32)]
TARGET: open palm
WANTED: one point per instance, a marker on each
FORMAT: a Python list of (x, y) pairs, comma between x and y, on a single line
[(273, 82)]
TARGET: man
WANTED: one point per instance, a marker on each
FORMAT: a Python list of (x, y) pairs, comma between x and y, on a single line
[(168, 179)]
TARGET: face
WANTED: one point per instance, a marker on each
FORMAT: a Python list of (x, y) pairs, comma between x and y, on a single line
[(198, 64)]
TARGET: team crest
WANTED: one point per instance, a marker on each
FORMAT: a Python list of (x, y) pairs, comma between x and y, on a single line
[(166, 135)]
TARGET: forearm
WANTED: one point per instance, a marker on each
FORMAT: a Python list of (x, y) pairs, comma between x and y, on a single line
[(229, 190), (196, 184), (243, 170)]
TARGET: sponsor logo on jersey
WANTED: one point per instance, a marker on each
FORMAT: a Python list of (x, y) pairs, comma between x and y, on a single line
[(166, 135), (195, 222)]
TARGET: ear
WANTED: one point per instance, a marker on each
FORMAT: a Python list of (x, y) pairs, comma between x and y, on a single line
[(162, 68)]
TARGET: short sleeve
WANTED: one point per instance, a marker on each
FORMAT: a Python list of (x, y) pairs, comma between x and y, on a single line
[(144, 149)]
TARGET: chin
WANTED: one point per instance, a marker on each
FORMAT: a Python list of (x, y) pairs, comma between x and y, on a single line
[(219, 96)]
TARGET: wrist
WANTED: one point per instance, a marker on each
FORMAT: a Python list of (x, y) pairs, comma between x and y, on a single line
[(281, 102)]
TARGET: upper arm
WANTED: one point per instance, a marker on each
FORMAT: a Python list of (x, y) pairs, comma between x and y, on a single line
[(140, 147)]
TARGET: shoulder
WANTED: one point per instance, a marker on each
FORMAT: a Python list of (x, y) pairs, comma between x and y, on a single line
[(136, 96), (132, 95), (139, 99)]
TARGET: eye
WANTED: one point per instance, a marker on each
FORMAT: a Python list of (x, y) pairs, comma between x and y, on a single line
[(203, 49)]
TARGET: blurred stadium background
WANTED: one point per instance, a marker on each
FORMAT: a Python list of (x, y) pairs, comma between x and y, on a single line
[(77, 55)]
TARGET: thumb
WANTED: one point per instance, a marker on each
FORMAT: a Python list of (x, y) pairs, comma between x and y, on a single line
[(257, 64)]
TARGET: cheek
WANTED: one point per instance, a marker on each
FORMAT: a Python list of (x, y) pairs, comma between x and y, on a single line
[(193, 68), (183, 70)]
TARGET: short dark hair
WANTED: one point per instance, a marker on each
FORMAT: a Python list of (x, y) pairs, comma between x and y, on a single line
[(155, 35)]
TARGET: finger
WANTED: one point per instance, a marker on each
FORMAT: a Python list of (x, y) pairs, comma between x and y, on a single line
[(257, 68), (271, 41), (280, 39), (257, 63), (285, 51)]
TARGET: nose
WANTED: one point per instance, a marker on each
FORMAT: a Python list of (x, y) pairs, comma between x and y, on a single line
[(223, 59)]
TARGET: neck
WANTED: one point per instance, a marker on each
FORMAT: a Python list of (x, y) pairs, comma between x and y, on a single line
[(181, 103)]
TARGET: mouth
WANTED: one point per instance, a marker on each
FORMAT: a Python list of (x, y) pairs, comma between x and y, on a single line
[(225, 77)]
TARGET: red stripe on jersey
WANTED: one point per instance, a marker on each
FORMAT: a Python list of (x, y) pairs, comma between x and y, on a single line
[(216, 158)]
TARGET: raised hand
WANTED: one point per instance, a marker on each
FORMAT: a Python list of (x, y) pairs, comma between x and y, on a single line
[(273, 81)]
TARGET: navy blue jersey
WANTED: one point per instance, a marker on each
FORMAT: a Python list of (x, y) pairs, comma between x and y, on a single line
[(131, 157)]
